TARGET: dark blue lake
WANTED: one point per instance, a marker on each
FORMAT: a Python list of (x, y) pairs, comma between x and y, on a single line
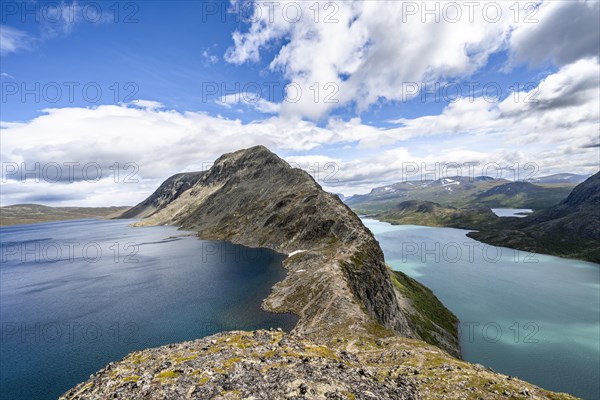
[(76, 295), (529, 315)]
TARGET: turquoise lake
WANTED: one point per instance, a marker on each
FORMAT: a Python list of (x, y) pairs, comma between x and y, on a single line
[(533, 316), (76, 295)]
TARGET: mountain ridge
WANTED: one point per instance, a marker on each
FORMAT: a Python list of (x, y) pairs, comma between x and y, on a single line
[(463, 191), (254, 198)]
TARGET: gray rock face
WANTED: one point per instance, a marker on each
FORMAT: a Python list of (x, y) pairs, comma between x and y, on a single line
[(337, 282), (166, 193), (270, 365), (247, 365)]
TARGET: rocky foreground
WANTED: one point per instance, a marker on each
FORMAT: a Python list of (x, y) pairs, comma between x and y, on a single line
[(273, 365)]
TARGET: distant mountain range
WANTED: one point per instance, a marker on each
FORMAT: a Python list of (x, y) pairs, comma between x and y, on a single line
[(566, 221), (467, 191), (36, 213), (570, 228), (559, 178)]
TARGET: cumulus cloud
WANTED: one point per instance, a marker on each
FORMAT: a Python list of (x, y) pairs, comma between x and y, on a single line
[(158, 141), (362, 52), (561, 32), (365, 51), (553, 126)]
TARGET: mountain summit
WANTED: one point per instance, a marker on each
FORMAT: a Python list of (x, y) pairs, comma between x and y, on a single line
[(337, 280)]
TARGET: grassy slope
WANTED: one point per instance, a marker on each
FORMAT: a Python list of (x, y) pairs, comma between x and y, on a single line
[(547, 195), (471, 218), (430, 311)]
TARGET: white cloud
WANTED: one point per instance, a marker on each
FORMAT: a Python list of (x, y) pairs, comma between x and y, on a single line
[(250, 100), (555, 131), (209, 57), (565, 31), (369, 53), (360, 52), (13, 40), (160, 141), (564, 106), (147, 104)]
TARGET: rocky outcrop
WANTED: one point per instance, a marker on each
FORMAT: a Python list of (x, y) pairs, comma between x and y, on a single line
[(267, 365), (337, 281), (164, 195)]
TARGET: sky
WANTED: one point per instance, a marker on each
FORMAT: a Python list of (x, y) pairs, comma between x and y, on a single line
[(101, 101)]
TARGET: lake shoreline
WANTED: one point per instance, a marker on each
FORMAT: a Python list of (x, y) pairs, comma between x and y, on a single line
[(505, 296)]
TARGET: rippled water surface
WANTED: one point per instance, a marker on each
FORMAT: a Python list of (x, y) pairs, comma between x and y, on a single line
[(76, 295)]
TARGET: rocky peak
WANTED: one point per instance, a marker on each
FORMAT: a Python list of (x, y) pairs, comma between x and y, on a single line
[(167, 192), (258, 160), (337, 279)]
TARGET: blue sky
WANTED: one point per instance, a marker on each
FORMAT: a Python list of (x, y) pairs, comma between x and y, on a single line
[(194, 73), (161, 51)]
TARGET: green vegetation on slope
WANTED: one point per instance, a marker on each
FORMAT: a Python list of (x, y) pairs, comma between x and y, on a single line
[(432, 214), (524, 195), (429, 314)]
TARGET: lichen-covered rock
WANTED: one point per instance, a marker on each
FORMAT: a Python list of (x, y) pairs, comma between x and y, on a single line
[(242, 365), (273, 365)]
